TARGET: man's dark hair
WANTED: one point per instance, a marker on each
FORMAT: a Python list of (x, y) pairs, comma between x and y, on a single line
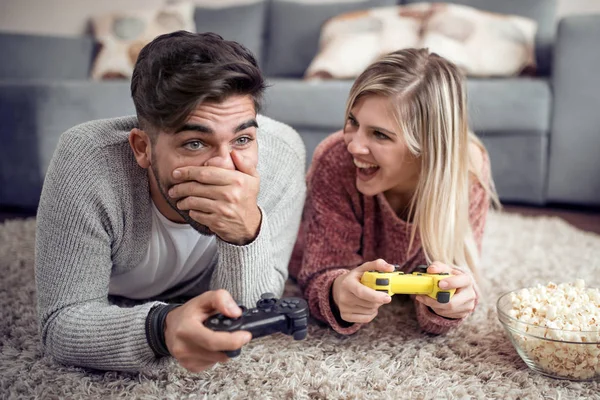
[(177, 71)]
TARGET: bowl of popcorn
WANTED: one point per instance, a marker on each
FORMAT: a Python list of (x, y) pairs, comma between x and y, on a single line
[(555, 328)]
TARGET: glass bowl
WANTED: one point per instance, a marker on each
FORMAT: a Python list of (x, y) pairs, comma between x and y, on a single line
[(558, 353)]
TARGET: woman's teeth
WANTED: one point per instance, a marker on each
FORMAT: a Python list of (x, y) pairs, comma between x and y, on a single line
[(364, 165)]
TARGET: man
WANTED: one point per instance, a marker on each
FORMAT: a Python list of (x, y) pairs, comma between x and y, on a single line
[(194, 194)]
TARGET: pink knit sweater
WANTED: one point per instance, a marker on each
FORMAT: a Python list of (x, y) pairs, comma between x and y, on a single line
[(341, 229)]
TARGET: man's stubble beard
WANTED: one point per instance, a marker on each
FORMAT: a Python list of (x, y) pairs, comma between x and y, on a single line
[(202, 229)]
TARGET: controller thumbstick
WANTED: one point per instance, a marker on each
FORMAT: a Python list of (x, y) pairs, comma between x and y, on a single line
[(422, 269), (267, 296)]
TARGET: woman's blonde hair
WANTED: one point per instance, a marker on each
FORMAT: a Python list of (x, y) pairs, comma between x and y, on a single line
[(429, 101)]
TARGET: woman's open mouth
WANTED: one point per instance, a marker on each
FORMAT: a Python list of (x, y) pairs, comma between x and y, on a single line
[(365, 171)]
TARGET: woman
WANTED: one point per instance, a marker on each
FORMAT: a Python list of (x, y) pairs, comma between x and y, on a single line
[(404, 183)]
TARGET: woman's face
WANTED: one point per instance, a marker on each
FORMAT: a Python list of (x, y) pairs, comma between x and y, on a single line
[(382, 159)]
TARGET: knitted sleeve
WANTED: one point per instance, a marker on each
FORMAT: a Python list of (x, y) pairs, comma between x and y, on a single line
[(330, 233), (73, 262), (262, 265)]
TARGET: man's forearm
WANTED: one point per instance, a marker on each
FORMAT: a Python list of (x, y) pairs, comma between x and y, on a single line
[(248, 271), (100, 336)]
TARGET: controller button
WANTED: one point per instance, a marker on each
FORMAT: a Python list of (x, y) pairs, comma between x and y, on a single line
[(443, 273), (292, 306), (227, 322), (268, 309), (295, 301), (254, 311), (419, 274), (443, 297), (381, 290), (214, 321), (382, 281)]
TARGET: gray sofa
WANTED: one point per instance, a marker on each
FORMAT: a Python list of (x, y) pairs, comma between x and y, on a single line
[(543, 132)]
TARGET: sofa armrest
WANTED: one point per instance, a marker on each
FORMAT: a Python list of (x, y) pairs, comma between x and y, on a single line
[(574, 159)]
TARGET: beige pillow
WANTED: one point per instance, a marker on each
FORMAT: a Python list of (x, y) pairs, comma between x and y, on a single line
[(123, 34), (480, 43)]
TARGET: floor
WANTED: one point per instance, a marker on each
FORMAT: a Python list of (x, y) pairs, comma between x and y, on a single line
[(587, 219)]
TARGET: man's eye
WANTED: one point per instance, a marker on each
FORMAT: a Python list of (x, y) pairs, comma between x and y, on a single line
[(243, 140), (194, 145)]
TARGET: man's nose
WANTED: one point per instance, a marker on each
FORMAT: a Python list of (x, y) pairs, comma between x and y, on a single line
[(221, 158)]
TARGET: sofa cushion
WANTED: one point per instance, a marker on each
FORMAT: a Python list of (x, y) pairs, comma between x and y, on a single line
[(293, 31), (542, 11), (123, 34), (242, 21), (480, 43), (43, 57), (496, 106)]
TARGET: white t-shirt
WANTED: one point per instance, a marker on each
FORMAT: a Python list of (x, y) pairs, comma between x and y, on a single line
[(176, 253)]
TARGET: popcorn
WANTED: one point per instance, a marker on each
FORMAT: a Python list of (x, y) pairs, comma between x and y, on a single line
[(563, 338)]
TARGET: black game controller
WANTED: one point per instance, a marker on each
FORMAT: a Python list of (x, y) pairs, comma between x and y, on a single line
[(271, 315)]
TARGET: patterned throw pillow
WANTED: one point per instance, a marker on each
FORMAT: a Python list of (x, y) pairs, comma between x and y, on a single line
[(481, 43), (123, 34)]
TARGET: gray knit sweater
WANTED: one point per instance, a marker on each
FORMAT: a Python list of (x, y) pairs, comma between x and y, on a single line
[(94, 221)]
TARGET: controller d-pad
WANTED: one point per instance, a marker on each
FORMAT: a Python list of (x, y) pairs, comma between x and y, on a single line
[(294, 301)]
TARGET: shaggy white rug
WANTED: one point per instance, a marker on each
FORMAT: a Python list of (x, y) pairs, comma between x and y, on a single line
[(390, 358)]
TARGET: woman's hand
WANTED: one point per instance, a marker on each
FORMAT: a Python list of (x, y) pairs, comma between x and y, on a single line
[(357, 302), (463, 301)]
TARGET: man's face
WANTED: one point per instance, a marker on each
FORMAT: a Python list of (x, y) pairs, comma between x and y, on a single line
[(209, 135)]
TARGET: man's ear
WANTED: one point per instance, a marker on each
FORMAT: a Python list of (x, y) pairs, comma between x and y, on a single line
[(141, 146)]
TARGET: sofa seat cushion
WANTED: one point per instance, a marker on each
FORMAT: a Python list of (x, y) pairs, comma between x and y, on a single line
[(507, 106), (34, 114), (496, 106), (27, 56)]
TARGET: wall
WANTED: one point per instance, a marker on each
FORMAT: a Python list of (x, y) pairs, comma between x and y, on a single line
[(69, 17)]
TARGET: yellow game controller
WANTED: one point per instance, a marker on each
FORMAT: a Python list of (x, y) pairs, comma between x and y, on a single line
[(400, 283)]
